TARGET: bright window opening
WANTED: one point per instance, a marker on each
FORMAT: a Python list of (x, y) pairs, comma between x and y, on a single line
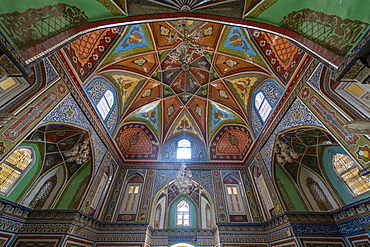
[(262, 105), (183, 214), (234, 200), (13, 167), (347, 169), (184, 149), (105, 104)]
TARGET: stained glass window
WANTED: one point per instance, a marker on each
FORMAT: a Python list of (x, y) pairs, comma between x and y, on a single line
[(262, 105), (14, 167), (183, 214), (347, 169), (184, 149)]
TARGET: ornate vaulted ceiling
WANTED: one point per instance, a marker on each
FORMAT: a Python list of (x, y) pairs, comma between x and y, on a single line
[(204, 92)]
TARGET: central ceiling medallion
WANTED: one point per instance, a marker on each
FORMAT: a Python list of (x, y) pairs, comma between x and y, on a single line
[(188, 5), (186, 68)]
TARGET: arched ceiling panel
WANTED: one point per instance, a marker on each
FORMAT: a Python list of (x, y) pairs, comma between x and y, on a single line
[(282, 55), (127, 85), (198, 109), (235, 41), (185, 125), (218, 92), (187, 81), (227, 65), (219, 115), (136, 39), (230, 143), (144, 64), (136, 141), (150, 91), (242, 87), (151, 114)]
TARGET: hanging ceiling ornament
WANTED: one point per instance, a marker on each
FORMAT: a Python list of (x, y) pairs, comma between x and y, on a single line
[(183, 179), (186, 68), (284, 153), (187, 5)]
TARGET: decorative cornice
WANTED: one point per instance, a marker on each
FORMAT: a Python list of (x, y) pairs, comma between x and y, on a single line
[(47, 47)]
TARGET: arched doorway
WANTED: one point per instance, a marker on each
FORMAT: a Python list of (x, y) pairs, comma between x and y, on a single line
[(182, 245)]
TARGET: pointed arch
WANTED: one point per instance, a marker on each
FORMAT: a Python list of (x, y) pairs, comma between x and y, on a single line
[(46, 189), (177, 211), (130, 198), (316, 191)]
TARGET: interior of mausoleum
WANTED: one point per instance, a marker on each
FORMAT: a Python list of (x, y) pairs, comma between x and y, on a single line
[(185, 123)]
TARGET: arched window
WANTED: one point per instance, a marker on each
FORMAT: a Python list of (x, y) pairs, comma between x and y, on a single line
[(263, 107), (105, 104), (347, 169), (184, 149), (14, 167), (183, 214)]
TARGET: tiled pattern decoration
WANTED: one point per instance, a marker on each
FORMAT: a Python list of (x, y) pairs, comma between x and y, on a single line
[(298, 114), (283, 56), (69, 112), (31, 115), (86, 51), (315, 26), (335, 122), (52, 19)]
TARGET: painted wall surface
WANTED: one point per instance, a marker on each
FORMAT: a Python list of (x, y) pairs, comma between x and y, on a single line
[(28, 23), (289, 193), (72, 191), (344, 9)]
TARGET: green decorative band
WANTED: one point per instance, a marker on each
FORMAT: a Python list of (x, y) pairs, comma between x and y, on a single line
[(113, 8), (256, 11)]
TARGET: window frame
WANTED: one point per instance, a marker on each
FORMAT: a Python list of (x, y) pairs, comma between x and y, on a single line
[(23, 173), (347, 170), (178, 150), (125, 198), (182, 214), (106, 101), (238, 195), (265, 102)]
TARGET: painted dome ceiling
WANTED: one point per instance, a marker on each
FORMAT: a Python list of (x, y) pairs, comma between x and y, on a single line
[(185, 79)]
